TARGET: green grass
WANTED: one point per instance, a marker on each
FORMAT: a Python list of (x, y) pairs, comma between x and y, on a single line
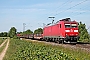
[(1, 49), (28, 50), (1, 40)]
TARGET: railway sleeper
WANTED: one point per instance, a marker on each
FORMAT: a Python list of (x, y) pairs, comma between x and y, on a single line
[(60, 40)]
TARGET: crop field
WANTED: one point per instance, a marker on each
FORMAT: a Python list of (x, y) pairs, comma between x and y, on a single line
[(1, 40), (28, 50)]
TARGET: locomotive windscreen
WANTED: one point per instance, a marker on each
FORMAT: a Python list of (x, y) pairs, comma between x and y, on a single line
[(74, 25), (70, 25), (67, 26)]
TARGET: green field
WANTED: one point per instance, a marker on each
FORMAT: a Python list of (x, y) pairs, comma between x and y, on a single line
[(28, 50), (1, 40)]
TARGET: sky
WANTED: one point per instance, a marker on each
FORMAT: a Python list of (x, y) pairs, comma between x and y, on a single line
[(34, 13)]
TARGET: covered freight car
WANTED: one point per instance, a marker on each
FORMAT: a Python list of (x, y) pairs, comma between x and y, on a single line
[(64, 30)]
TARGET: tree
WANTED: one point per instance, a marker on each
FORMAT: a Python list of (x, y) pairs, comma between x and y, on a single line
[(19, 32), (27, 32), (83, 32), (12, 32), (38, 31), (3, 34)]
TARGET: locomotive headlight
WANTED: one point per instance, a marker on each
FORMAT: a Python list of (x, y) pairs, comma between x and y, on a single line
[(76, 34), (66, 34), (75, 30), (67, 30)]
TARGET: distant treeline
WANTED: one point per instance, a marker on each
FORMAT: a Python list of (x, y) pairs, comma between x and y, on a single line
[(13, 32)]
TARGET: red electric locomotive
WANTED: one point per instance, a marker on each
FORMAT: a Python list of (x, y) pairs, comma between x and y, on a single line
[(64, 30)]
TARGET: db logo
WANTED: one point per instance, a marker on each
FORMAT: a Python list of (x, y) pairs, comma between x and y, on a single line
[(71, 30)]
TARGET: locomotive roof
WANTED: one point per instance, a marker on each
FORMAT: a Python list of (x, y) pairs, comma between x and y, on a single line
[(67, 21), (70, 22)]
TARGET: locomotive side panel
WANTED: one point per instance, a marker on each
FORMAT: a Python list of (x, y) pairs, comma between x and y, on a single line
[(54, 33), (55, 30), (62, 29), (47, 31)]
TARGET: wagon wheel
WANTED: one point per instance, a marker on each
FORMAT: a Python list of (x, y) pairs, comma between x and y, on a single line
[(47, 40), (58, 41), (62, 41)]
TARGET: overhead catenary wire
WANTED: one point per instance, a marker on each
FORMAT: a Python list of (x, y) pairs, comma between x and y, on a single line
[(75, 5), (62, 5), (71, 7), (78, 11)]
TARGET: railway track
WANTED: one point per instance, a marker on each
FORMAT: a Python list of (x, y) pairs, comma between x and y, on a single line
[(79, 45), (84, 46)]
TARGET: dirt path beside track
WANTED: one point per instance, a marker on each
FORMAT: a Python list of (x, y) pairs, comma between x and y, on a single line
[(3, 43), (4, 50)]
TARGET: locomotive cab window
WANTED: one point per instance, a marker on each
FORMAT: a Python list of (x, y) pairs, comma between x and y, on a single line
[(74, 25), (67, 26)]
